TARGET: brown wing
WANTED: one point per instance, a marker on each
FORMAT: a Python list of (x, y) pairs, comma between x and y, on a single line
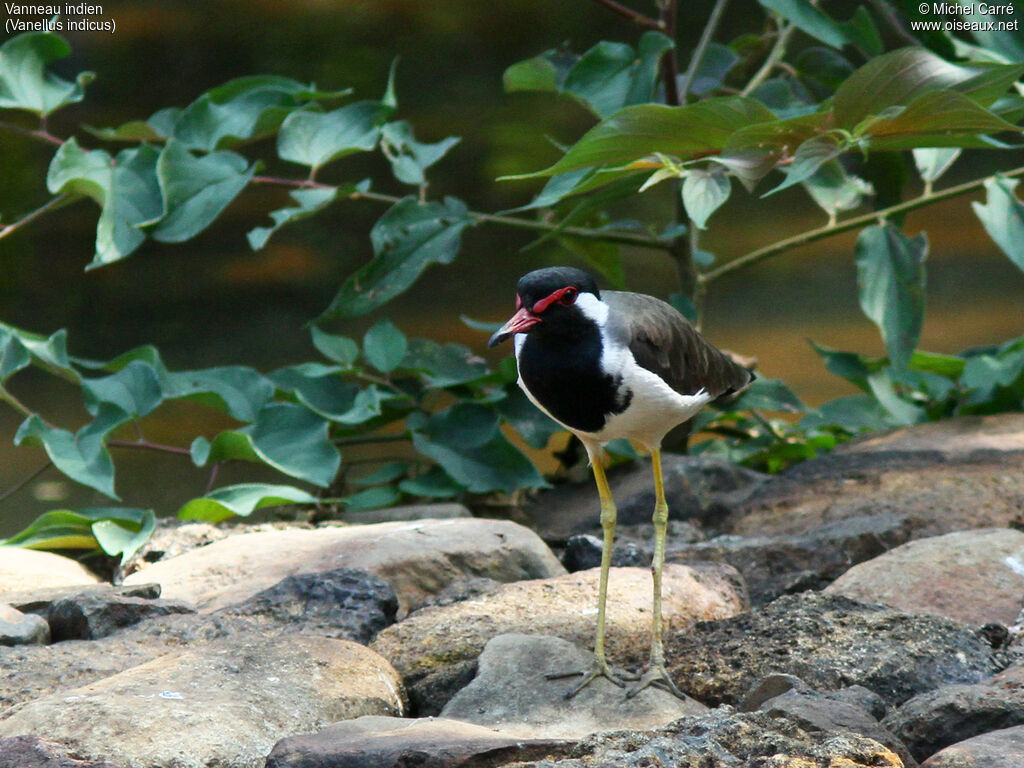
[(665, 343)]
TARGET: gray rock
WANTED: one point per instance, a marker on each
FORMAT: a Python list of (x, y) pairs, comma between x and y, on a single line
[(389, 742), (830, 642), (457, 591), (408, 512), (953, 713), (39, 600), (17, 628), (584, 551), (94, 614), (697, 488), (512, 693), (725, 739), (224, 704), (972, 576), (997, 749), (30, 751), (343, 603)]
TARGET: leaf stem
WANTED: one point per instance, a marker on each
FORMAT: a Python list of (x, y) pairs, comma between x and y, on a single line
[(149, 446), (829, 230), (14, 402), (701, 49), (370, 439), (24, 481), (634, 16), (40, 133), (774, 57), (55, 202)]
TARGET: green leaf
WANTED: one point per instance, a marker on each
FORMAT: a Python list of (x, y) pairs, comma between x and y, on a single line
[(373, 498), (125, 187), (122, 531), (862, 32), (714, 67), (890, 284), (1003, 217), (310, 201), (48, 352), (533, 425), (384, 346), (115, 530), (410, 158), (834, 190), (808, 19), (704, 192), (932, 163), (14, 356), (809, 158), (768, 395), (406, 240), (24, 81), (135, 389), (465, 440), (196, 190), (236, 390), (854, 413), (133, 131), (636, 132), (612, 75), (317, 138), (340, 349), (1007, 42), (536, 74), (82, 456), (435, 483), (444, 365), (883, 388), (319, 388), (288, 437), (242, 500), (387, 473)]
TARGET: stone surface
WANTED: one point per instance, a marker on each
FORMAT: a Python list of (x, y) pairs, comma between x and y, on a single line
[(225, 703), (17, 628), (22, 569), (830, 642), (30, 751), (512, 694), (997, 749), (699, 488), (436, 649), (960, 436), (953, 713), (93, 614), (416, 558), (389, 742), (344, 603), (723, 739), (407, 512), (972, 576)]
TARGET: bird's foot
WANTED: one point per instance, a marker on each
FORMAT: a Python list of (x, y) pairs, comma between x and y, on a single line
[(599, 669), (655, 675)]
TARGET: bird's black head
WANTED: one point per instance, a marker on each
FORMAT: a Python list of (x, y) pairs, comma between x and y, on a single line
[(546, 295)]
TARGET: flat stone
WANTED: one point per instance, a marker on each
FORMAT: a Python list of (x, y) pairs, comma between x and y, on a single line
[(93, 614), (997, 749), (225, 704), (830, 642), (417, 558), (436, 648), (406, 513), (972, 576), (512, 693), (30, 751), (390, 742), (22, 569), (956, 437), (17, 628)]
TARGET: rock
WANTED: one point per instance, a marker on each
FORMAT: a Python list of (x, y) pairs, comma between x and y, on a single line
[(583, 552), (700, 488), (436, 648), (953, 713), (512, 694), (30, 751), (22, 569), (93, 614), (830, 642), (343, 603), (40, 600), (17, 628), (996, 749), (416, 558), (457, 591), (389, 742), (225, 704), (972, 576), (958, 474), (776, 565), (408, 512), (725, 739)]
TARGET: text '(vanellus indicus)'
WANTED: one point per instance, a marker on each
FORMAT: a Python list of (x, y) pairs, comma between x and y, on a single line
[(609, 365)]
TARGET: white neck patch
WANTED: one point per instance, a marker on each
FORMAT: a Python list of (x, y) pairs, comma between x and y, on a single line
[(593, 308)]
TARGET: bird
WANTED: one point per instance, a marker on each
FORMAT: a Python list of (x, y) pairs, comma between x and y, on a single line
[(608, 365)]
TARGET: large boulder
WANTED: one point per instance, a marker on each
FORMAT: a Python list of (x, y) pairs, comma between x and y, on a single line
[(224, 704), (997, 749), (417, 558), (22, 569)]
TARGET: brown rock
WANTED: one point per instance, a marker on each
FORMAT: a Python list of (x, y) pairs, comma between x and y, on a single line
[(997, 749)]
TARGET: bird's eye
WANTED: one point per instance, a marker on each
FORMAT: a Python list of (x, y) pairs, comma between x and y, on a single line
[(569, 296)]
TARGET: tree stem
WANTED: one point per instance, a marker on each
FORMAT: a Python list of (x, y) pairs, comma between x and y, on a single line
[(774, 57), (829, 230), (628, 13), (702, 46)]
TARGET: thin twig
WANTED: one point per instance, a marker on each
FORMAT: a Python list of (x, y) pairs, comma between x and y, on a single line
[(813, 235), (370, 439), (41, 134), (29, 217), (213, 477), (670, 60), (702, 46), (148, 446), (628, 13), (15, 403), (22, 483), (774, 57)]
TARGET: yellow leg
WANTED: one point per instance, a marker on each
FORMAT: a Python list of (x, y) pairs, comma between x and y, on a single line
[(608, 514), (656, 672)]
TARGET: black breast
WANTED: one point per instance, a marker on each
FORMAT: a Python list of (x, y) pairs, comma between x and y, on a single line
[(565, 376)]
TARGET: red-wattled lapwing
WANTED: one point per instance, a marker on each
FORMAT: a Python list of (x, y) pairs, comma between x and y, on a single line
[(608, 365)]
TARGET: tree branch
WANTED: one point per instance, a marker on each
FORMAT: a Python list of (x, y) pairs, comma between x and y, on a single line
[(25, 481), (702, 47), (774, 57), (41, 133), (670, 60), (146, 445), (55, 202), (829, 230), (634, 16)]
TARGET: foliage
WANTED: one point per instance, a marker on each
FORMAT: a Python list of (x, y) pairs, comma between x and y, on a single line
[(809, 101)]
